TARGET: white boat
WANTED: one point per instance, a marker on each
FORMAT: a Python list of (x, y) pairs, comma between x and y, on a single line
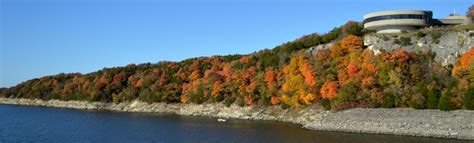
[(221, 119)]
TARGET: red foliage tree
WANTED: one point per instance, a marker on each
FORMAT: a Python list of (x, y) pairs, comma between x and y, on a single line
[(270, 78)]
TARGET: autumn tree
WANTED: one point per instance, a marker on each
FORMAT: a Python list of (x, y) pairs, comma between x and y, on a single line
[(300, 81), (352, 28), (329, 90), (462, 69), (347, 75)]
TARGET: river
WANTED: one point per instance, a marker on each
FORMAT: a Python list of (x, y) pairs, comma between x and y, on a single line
[(41, 124)]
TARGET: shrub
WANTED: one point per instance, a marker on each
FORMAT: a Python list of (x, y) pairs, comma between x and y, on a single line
[(388, 100), (284, 105), (396, 41), (435, 36), (469, 99), (347, 92), (385, 38), (432, 99), (266, 101), (352, 28), (149, 97), (405, 41), (331, 35), (417, 101), (218, 98), (326, 103), (198, 95), (240, 101), (346, 97), (420, 34), (228, 101), (115, 98), (375, 104), (126, 95), (445, 102), (3, 92)]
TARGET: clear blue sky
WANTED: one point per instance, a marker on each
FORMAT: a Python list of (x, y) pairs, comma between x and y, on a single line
[(46, 37)]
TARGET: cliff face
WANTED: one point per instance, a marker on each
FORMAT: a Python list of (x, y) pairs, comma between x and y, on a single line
[(447, 45)]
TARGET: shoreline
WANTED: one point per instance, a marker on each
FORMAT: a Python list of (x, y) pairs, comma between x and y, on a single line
[(398, 121)]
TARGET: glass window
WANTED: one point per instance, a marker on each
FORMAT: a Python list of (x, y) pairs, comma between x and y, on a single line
[(397, 16)]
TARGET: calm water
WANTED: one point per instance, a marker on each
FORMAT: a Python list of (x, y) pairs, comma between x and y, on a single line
[(38, 124)]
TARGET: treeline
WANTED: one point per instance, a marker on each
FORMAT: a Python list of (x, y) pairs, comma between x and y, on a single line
[(345, 76)]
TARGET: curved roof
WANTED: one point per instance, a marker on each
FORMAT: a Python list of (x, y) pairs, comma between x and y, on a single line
[(394, 12)]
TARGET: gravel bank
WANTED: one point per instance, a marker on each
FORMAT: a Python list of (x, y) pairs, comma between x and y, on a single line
[(427, 123)]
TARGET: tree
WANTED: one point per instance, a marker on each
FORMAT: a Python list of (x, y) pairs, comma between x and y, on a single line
[(352, 43), (463, 71), (139, 83), (347, 75), (445, 102), (352, 28), (226, 72), (306, 70), (352, 70), (462, 65), (244, 59), (216, 89), (469, 99), (275, 100), (470, 12), (270, 79), (329, 89), (299, 81)]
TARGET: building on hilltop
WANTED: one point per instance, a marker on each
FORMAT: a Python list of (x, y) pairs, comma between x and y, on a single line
[(396, 21)]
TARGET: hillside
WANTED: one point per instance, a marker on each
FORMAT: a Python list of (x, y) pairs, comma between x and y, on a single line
[(346, 74)]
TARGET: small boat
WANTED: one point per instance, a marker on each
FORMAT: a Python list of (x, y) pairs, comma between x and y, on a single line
[(221, 119)]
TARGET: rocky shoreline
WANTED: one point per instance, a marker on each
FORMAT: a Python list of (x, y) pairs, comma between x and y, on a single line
[(401, 121)]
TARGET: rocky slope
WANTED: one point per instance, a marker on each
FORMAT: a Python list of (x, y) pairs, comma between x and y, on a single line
[(430, 123), (447, 43)]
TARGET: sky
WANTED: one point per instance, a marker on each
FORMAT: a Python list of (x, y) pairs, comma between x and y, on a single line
[(47, 37)]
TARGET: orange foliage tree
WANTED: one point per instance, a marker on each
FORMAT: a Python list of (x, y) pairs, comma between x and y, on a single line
[(270, 79), (299, 81), (244, 59), (352, 43), (329, 89), (462, 65), (275, 100), (463, 70), (216, 88)]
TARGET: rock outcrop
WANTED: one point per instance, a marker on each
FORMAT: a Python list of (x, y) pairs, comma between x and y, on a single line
[(447, 45)]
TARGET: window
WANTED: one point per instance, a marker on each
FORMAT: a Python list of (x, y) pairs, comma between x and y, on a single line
[(398, 16)]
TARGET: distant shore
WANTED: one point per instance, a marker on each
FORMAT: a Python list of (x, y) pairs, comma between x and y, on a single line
[(399, 121)]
